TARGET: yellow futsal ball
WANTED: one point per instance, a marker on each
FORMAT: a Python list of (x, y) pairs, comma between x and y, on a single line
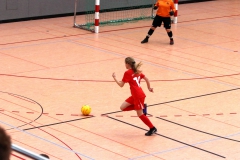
[(86, 110)]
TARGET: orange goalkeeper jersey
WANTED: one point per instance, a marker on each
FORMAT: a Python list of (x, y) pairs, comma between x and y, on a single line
[(164, 7)]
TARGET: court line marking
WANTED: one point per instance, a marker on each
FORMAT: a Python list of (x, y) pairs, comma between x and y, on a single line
[(166, 52), (198, 130), (178, 148), (182, 99), (77, 138), (46, 140), (153, 63), (24, 107), (170, 138), (52, 124)]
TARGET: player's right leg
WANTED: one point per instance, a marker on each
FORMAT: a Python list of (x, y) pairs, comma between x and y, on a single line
[(156, 22), (146, 120), (127, 105)]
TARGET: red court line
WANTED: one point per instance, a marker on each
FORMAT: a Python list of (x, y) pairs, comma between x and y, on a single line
[(42, 152), (86, 80), (209, 33), (111, 30), (45, 39), (165, 52), (17, 156), (100, 136), (86, 62), (159, 57), (106, 138), (178, 115), (169, 54), (178, 22), (42, 130), (184, 65), (19, 105), (23, 60), (21, 98), (60, 141), (65, 134)]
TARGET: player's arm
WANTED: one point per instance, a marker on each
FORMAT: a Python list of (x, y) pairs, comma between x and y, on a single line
[(155, 6), (148, 84), (173, 10), (120, 83)]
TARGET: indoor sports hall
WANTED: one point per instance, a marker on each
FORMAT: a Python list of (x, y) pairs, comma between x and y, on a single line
[(50, 69)]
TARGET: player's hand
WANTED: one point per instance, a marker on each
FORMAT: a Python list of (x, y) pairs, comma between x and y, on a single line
[(171, 13), (155, 7), (113, 75), (150, 89)]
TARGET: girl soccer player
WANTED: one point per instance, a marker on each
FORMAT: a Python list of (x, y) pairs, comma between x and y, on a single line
[(133, 76), (165, 9)]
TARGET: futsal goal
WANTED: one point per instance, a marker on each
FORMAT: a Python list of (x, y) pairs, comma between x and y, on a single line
[(112, 12)]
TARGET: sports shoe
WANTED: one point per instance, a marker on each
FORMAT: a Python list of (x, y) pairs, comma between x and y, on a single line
[(145, 109), (171, 41), (145, 40), (151, 131)]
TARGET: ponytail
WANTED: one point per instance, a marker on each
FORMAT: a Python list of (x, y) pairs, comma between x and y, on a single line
[(135, 67)]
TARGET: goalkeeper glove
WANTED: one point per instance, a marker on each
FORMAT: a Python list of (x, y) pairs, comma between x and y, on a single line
[(171, 13)]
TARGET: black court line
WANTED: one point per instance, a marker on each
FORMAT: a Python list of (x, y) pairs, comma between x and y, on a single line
[(170, 138), (198, 130), (26, 123), (56, 123), (203, 95)]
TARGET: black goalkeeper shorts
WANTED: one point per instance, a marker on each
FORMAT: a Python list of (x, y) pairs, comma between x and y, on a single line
[(157, 22)]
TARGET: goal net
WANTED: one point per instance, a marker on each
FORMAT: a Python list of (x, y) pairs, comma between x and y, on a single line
[(111, 12)]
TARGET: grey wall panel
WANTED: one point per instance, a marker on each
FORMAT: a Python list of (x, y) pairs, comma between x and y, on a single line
[(44, 8), (16, 9), (13, 9), (34, 8), (57, 7)]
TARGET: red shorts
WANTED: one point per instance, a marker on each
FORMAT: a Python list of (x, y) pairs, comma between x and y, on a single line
[(138, 103)]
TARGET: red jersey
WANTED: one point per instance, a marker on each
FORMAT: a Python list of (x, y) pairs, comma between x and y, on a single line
[(134, 82)]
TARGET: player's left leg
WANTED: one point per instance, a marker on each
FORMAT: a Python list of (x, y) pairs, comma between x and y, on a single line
[(167, 26)]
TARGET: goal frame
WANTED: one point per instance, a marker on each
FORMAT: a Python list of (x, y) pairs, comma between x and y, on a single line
[(97, 14)]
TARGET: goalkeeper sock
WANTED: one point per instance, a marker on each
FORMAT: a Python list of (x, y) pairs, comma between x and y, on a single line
[(170, 34), (150, 32)]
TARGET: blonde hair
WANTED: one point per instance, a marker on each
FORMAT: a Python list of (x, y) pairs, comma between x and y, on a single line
[(135, 67)]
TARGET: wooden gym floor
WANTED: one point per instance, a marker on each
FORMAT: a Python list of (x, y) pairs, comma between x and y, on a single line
[(195, 105)]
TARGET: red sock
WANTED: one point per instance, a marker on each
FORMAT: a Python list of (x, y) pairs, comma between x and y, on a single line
[(146, 120), (129, 108)]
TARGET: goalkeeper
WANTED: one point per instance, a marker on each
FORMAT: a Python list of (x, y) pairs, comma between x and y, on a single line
[(165, 9)]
